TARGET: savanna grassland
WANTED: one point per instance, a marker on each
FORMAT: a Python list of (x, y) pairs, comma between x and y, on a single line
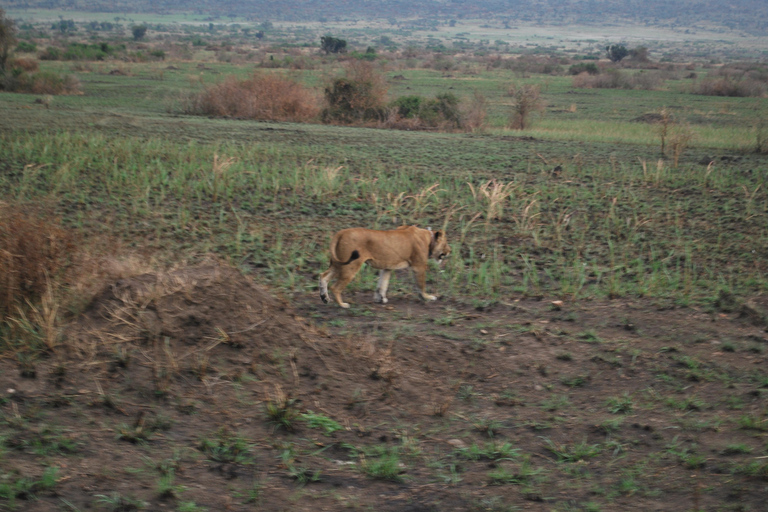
[(599, 341)]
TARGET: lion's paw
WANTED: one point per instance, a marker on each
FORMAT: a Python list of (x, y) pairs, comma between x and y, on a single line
[(345, 305), (429, 297)]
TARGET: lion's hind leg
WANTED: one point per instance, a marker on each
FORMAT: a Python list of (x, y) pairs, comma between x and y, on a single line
[(325, 278), (345, 275)]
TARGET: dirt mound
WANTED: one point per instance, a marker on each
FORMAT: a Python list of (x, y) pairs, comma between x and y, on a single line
[(211, 322), (191, 306)]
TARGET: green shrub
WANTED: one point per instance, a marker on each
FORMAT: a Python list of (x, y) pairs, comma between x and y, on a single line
[(26, 47), (407, 106), (584, 67)]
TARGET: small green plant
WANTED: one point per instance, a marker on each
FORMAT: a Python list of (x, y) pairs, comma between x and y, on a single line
[(756, 468), (303, 475), (575, 381), (522, 473), (116, 502), (490, 451), (254, 493), (190, 506), (224, 446), (555, 403), (620, 404), (487, 426), (611, 425), (383, 464), (589, 336), (324, 423), (466, 393), (736, 449), (689, 403), (574, 452), (166, 487), (281, 409), (135, 434), (753, 422)]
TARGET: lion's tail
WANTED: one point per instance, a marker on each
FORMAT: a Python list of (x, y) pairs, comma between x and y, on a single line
[(355, 254), (334, 257)]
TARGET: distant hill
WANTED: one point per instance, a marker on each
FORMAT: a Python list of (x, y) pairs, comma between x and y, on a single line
[(748, 15)]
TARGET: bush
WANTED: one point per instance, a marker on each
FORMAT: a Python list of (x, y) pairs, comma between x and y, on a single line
[(441, 112), (263, 97), (584, 67), (740, 79), (26, 47), (358, 97), (616, 79), (24, 64), (407, 106), (725, 86), (44, 82), (33, 249), (48, 82)]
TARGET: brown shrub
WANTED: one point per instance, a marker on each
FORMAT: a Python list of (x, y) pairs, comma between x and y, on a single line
[(25, 64), (736, 88), (263, 96), (33, 250), (475, 114), (616, 79), (46, 82)]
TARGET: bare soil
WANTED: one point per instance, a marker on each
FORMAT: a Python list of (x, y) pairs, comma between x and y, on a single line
[(158, 397)]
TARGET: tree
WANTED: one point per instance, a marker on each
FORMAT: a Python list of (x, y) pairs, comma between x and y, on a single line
[(139, 31), (330, 44), (639, 54), (527, 100), (616, 52), (7, 39)]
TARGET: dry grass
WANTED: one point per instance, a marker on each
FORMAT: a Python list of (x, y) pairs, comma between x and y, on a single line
[(24, 63), (264, 97), (33, 251)]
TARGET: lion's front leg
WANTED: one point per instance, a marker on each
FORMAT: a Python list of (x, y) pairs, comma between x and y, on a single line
[(380, 295), (421, 283)]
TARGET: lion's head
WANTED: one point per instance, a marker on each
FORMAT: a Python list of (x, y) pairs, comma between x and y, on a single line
[(439, 248)]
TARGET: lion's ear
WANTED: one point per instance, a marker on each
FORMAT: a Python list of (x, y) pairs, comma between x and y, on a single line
[(438, 234)]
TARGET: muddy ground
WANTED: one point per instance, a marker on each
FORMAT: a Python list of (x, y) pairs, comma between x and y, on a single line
[(199, 390)]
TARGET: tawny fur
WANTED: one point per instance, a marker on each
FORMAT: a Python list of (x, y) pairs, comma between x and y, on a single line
[(406, 246)]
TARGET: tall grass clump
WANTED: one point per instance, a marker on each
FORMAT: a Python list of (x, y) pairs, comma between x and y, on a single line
[(33, 250), (262, 96)]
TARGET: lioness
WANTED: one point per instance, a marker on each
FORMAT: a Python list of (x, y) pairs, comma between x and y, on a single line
[(406, 246)]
